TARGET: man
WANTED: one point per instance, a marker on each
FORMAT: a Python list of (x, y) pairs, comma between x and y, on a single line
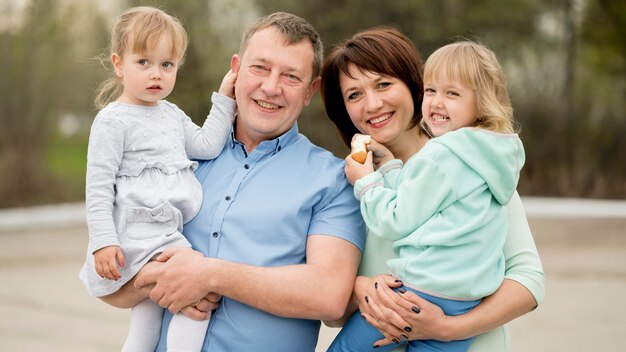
[(279, 231)]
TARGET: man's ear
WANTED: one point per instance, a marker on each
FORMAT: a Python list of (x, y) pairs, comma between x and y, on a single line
[(235, 63), (116, 60), (311, 90)]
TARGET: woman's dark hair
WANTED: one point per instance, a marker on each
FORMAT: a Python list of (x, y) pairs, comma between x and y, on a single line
[(382, 50)]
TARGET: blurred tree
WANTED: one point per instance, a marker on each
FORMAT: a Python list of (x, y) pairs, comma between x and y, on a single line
[(30, 93), (46, 75), (565, 61)]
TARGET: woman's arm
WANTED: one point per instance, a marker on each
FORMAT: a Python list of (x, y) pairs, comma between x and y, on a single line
[(521, 291)]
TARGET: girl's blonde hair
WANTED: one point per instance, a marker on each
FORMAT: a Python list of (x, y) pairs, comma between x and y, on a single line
[(135, 31), (476, 66)]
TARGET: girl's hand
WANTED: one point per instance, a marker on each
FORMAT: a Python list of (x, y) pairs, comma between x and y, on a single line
[(380, 153), (227, 87), (107, 259), (355, 170)]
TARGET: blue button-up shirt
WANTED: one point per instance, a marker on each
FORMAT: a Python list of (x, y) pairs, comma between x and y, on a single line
[(259, 209)]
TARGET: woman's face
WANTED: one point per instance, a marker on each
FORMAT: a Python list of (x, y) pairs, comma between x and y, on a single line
[(378, 105)]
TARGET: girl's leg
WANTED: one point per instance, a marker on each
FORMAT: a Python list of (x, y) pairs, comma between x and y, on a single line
[(358, 335), (145, 327), (185, 334)]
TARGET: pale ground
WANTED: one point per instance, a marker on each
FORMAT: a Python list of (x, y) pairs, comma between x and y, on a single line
[(44, 307)]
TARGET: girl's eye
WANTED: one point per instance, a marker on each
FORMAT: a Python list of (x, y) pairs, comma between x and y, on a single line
[(142, 61), (454, 94), (429, 90), (168, 64)]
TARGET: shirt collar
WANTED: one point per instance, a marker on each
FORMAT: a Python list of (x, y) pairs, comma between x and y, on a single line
[(272, 145)]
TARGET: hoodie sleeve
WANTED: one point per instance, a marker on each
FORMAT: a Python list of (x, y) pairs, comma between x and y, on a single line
[(423, 188)]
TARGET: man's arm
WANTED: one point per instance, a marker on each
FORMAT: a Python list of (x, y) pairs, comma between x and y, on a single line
[(319, 289)]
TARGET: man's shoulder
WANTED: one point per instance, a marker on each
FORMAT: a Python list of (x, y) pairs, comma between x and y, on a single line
[(315, 152)]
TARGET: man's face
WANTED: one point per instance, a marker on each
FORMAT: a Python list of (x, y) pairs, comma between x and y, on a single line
[(274, 83)]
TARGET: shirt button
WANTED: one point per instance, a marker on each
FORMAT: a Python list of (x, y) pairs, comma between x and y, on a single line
[(214, 234), (227, 198), (246, 166)]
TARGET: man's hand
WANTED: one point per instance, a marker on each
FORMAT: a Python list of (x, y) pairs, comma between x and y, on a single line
[(106, 261), (179, 282), (201, 309)]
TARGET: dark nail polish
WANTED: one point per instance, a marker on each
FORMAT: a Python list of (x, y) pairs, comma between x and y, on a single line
[(415, 309), (408, 329), (376, 284), (367, 300), (399, 281), (396, 341), (376, 346), (402, 290), (404, 337)]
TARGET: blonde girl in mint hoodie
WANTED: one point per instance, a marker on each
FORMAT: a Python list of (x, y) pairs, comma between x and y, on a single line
[(445, 208)]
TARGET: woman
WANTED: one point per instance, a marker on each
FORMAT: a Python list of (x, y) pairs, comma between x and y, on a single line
[(372, 84)]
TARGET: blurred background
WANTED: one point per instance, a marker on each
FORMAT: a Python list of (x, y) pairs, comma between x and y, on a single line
[(566, 65), (565, 61)]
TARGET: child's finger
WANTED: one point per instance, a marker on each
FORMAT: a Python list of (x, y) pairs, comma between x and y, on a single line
[(120, 257)]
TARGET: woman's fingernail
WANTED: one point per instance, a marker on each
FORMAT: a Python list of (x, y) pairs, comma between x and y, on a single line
[(404, 337), (408, 329), (402, 290), (367, 300), (396, 341), (376, 346), (376, 284), (416, 309), (398, 281)]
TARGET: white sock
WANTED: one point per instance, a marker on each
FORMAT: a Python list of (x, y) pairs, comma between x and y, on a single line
[(145, 327), (185, 334)]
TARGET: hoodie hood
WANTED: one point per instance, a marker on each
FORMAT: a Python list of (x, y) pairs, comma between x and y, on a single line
[(496, 157)]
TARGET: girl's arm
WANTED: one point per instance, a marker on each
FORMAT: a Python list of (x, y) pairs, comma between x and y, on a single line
[(104, 155), (520, 292), (393, 213), (207, 142)]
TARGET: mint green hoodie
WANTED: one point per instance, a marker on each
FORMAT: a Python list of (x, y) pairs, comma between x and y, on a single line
[(445, 211)]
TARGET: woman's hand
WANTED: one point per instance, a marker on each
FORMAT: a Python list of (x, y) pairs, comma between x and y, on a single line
[(424, 320), (400, 315), (367, 290)]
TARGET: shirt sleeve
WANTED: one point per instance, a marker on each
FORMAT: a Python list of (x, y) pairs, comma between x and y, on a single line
[(207, 142), (104, 155), (520, 252), (338, 214)]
